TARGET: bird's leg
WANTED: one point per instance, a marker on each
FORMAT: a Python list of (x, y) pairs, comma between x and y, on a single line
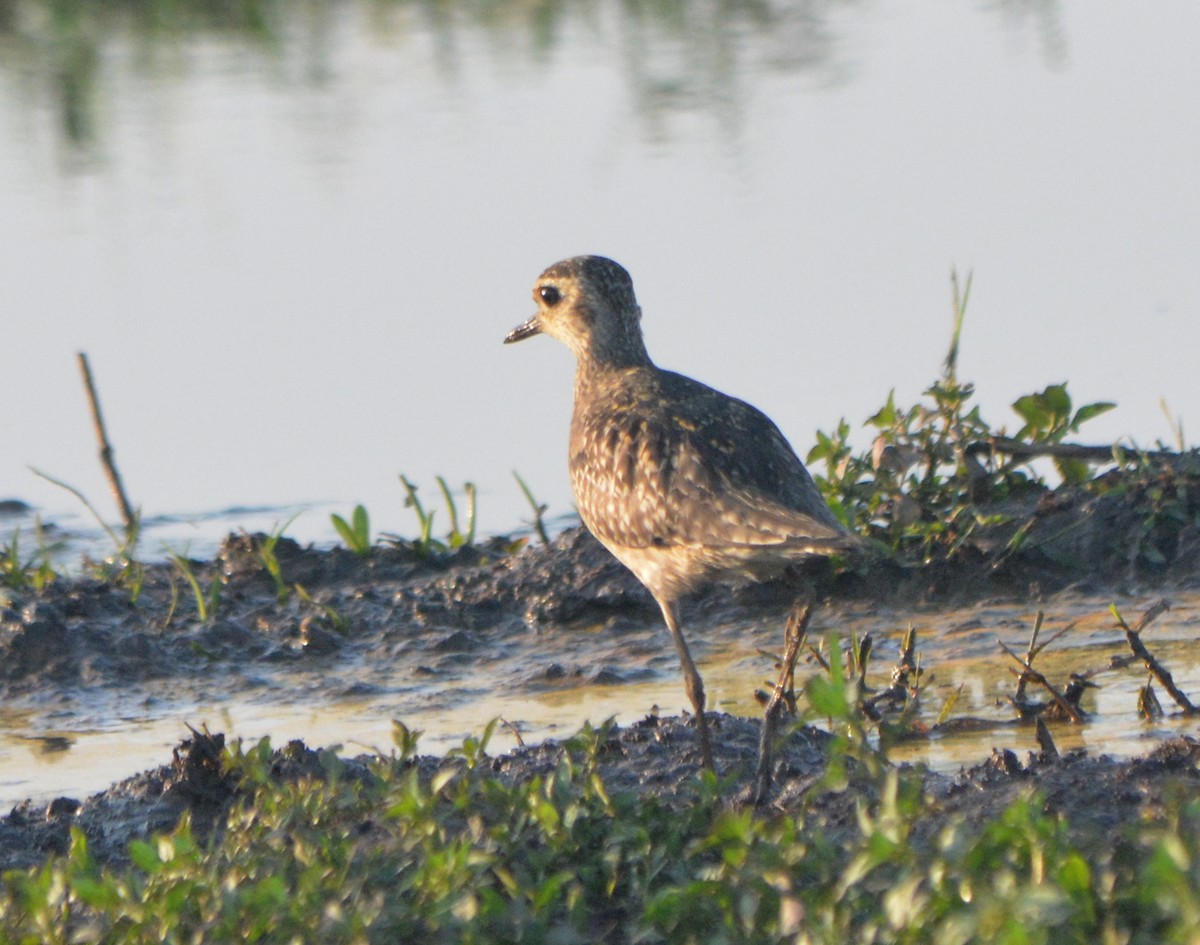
[(691, 679)]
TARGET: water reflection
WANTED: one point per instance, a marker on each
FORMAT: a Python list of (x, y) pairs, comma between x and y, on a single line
[(88, 738), (266, 253), (1045, 20), (675, 56)]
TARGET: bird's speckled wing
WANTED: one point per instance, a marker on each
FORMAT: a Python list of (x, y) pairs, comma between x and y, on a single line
[(658, 459)]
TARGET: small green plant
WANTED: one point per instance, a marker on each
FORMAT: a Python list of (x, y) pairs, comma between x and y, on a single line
[(1048, 419), (122, 569), (425, 544), (539, 510), (264, 548), (14, 570), (206, 601), (405, 739), (924, 486), (835, 697), (357, 532), (474, 749), (133, 579), (35, 572), (457, 538)]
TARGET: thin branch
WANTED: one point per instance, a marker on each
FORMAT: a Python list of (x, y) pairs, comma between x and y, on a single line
[(1046, 741), (106, 451), (86, 504), (1018, 449), (516, 731), (1031, 651), (1134, 636), (797, 629), (1034, 676), (1022, 450)]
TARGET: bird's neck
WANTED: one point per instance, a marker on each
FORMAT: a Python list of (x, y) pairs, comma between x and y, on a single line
[(613, 352), (598, 373)]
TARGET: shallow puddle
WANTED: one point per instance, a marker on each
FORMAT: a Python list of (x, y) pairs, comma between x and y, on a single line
[(548, 684)]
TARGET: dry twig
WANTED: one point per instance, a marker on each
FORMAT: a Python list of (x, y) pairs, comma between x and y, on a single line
[(782, 696), (1046, 741), (516, 731), (1148, 704), (1032, 675), (905, 681), (106, 451), (1134, 636), (1021, 450)]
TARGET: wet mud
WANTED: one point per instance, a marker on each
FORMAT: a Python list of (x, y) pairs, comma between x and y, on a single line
[(458, 628), (657, 755)]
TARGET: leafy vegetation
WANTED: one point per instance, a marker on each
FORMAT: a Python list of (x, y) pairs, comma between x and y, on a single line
[(206, 602), (937, 471), (36, 571), (406, 851), (539, 510), (357, 532), (264, 549), (425, 544), (121, 568), (1048, 419)]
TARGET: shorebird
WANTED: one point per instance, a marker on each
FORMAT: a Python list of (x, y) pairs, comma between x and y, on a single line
[(683, 484)]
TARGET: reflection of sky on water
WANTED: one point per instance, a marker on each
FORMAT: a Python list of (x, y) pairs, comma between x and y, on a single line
[(291, 248), (292, 251), (351, 701)]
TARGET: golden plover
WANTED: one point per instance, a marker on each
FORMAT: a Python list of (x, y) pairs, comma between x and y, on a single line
[(683, 484)]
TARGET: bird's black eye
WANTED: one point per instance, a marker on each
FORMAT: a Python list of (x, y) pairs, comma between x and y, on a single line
[(550, 295)]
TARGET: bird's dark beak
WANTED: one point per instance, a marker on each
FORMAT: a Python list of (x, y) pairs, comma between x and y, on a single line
[(525, 330)]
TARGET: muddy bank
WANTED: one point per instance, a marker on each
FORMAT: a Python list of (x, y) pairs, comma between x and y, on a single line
[(657, 756), (435, 610), (455, 629)]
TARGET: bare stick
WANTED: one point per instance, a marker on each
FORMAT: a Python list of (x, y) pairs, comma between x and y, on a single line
[(1046, 741), (900, 689), (1021, 450), (797, 628), (907, 663), (1033, 650), (1030, 653), (1148, 705), (1161, 673), (1151, 615), (106, 450), (515, 730), (1058, 633), (1028, 672)]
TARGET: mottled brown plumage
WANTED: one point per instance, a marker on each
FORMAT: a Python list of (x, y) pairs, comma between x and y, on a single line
[(683, 484)]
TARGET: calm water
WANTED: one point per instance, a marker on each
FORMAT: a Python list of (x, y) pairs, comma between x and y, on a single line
[(291, 247), (79, 743)]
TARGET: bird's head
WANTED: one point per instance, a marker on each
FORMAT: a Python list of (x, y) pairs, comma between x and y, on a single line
[(587, 303)]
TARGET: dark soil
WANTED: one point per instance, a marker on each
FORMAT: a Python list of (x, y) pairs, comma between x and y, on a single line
[(657, 755), (93, 636)]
